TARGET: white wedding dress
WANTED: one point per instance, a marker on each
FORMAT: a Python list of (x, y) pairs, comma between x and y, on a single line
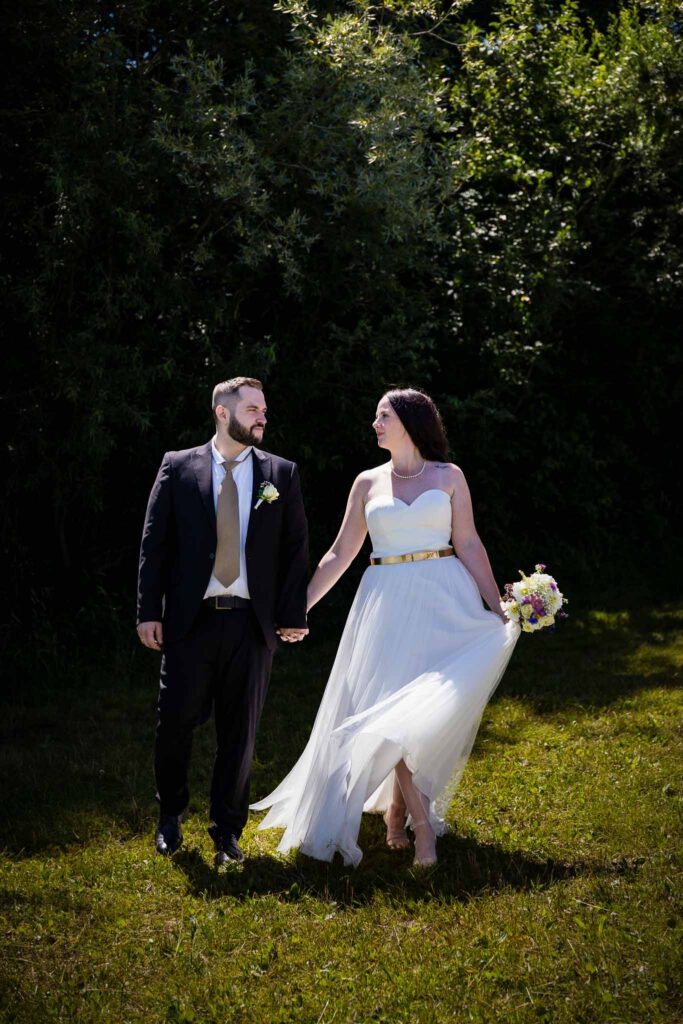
[(418, 660)]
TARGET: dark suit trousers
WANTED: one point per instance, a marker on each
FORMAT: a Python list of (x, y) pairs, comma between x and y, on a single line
[(222, 662)]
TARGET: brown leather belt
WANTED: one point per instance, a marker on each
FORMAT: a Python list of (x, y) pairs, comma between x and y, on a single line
[(226, 602), (415, 556)]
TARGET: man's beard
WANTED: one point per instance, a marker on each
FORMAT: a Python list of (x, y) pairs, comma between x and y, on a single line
[(238, 432)]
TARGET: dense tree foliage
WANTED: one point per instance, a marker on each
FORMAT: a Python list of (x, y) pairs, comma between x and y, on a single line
[(481, 199)]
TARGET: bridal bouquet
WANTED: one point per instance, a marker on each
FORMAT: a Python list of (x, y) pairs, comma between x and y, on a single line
[(535, 601)]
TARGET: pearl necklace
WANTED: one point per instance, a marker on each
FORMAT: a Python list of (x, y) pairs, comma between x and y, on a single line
[(411, 476)]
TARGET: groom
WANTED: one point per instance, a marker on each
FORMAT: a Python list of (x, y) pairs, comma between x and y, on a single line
[(223, 569)]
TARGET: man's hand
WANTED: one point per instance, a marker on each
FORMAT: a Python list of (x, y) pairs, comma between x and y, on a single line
[(151, 634), (291, 635)]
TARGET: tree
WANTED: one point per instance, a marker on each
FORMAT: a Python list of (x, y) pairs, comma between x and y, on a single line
[(339, 197)]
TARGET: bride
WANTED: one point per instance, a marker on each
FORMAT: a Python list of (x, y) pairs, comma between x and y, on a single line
[(419, 657)]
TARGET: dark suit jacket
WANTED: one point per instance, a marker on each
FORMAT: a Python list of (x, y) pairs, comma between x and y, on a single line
[(179, 544)]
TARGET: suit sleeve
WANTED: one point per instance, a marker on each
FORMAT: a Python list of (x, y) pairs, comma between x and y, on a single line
[(290, 608), (152, 572)]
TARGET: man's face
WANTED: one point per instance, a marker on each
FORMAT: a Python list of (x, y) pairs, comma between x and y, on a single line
[(247, 420)]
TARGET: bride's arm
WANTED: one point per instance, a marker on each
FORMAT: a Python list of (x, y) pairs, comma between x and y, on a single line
[(468, 545), (349, 541)]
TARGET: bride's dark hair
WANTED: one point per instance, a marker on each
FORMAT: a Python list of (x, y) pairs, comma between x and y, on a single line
[(422, 420)]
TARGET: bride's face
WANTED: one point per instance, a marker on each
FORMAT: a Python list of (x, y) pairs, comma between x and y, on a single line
[(388, 427)]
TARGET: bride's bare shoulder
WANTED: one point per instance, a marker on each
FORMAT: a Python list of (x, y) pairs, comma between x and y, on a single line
[(366, 480), (451, 477)]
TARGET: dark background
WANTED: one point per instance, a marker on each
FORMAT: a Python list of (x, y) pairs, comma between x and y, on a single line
[(338, 200)]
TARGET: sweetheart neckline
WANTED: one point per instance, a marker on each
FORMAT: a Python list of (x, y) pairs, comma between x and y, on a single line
[(393, 497)]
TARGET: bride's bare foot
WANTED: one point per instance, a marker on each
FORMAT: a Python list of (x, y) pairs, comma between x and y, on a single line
[(395, 820), (425, 844), (417, 805)]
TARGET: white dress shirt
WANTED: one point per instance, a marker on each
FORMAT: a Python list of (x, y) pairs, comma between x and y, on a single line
[(243, 475)]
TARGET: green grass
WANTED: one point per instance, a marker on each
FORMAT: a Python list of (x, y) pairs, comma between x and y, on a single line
[(554, 899)]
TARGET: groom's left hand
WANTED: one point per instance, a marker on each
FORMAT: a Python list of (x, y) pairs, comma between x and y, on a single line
[(290, 635)]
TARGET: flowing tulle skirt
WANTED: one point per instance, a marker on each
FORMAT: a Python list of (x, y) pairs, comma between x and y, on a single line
[(418, 660)]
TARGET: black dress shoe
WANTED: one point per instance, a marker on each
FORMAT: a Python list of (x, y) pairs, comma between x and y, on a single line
[(227, 849), (169, 835)]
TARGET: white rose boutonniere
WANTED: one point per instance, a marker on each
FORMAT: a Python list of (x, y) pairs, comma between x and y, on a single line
[(267, 492)]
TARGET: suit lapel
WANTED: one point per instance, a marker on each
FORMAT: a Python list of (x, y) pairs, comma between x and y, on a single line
[(262, 467), (202, 463)]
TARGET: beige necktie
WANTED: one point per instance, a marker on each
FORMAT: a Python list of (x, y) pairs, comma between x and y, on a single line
[(227, 565)]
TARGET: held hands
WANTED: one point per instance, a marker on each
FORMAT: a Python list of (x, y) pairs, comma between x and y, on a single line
[(290, 635), (152, 635)]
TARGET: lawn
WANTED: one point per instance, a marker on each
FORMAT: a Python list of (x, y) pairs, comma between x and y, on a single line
[(555, 898)]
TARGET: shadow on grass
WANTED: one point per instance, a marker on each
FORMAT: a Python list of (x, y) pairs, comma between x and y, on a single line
[(466, 869)]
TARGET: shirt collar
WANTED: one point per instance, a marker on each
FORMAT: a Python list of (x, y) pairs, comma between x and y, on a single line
[(218, 458)]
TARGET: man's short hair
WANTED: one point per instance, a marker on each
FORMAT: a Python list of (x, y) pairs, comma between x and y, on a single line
[(226, 392)]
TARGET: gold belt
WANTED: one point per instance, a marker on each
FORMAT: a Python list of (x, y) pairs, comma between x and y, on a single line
[(415, 556)]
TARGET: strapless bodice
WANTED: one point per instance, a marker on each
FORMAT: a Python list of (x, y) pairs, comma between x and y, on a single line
[(397, 529)]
